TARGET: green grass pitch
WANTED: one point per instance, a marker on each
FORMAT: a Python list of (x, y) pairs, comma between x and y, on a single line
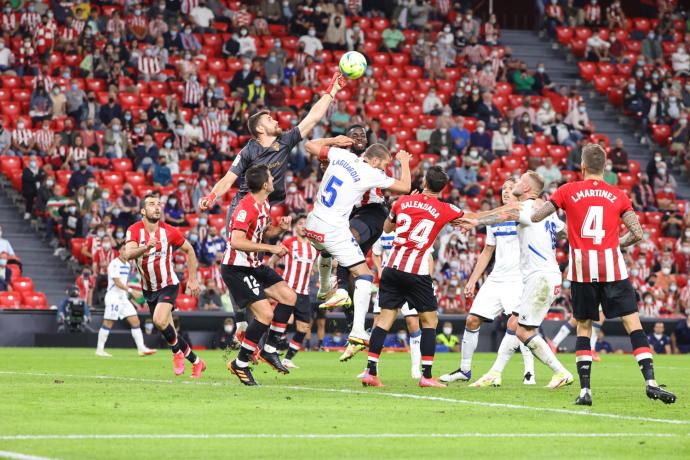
[(131, 407)]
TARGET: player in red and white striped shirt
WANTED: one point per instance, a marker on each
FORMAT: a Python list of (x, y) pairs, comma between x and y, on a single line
[(299, 264), (416, 220), (252, 283), (597, 272), (151, 243)]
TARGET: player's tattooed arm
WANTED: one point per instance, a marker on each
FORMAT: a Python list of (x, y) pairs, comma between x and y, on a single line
[(634, 229), (498, 215), (563, 234), (543, 212)]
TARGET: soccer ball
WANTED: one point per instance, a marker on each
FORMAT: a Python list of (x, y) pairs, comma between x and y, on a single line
[(353, 65)]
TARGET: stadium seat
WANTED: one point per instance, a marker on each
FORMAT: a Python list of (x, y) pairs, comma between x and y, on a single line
[(661, 134), (35, 300), (11, 300), (23, 284), (186, 302)]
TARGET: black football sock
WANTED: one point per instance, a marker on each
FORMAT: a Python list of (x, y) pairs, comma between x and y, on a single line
[(428, 349), (250, 343), (343, 278), (643, 354), (295, 344), (378, 336), (186, 350), (171, 338), (281, 316), (583, 360)]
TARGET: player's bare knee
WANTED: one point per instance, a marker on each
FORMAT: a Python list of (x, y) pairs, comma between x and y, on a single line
[(473, 322), (302, 326), (631, 322), (428, 320), (134, 321), (107, 323), (412, 323), (584, 327)]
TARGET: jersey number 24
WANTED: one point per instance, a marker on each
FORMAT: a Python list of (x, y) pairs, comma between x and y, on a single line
[(419, 234)]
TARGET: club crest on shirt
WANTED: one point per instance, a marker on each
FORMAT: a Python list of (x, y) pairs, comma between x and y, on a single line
[(275, 146), (241, 216)]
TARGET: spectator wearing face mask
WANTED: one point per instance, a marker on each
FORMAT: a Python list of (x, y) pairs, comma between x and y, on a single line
[(5, 245), (659, 340), (579, 120), (460, 136), (312, 43), (202, 188), (225, 339), (487, 111), (256, 92), (597, 48), (440, 138), (542, 81), (549, 172), (651, 48), (465, 178), (447, 341), (502, 140), (610, 177), (680, 61), (680, 136), (431, 104), (174, 214), (649, 306), (523, 130), (72, 222), (481, 140), (392, 37), (663, 180), (295, 200)]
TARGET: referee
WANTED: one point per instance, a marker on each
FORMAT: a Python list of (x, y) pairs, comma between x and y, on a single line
[(271, 147)]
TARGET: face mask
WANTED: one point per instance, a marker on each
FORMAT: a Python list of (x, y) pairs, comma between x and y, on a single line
[(474, 153), (540, 69), (666, 271), (3, 262), (673, 288), (107, 245), (228, 329), (50, 183), (290, 65), (402, 337), (683, 121), (202, 157), (257, 82), (116, 212), (582, 109), (631, 88), (443, 130), (633, 272), (72, 209), (194, 237), (203, 221), (292, 189), (444, 152), (312, 33), (203, 182), (647, 87), (655, 100), (20, 125), (648, 300), (657, 159), (480, 129), (609, 167), (148, 327), (172, 201), (447, 330), (662, 171)]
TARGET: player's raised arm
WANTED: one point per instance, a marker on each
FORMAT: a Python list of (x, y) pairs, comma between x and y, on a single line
[(404, 184), (220, 189), (192, 264), (634, 229), (283, 226), (543, 212), (319, 147), (318, 111), (495, 216)]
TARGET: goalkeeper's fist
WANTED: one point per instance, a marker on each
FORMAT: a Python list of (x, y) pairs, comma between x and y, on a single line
[(206, 202), (337, 83)]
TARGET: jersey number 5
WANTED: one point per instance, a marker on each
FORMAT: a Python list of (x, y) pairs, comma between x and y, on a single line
[(331, 190), (419, 234), (593, 226)]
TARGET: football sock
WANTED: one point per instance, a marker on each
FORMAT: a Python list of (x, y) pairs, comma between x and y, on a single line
[(325, 268), (583, 360), (171, 337), (378, 336), (596, 327), (349, 317), (563, 332), (508, 345), (415, 348), (138, 338), (295, 344), (187, 351), (250, 343), (543, 352), (281, 316), (103, 333), (469, 343), (343, 277), (528, 359), (643, 355), (428, 347), (361, 300)]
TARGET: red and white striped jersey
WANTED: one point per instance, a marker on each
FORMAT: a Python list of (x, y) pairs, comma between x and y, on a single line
[(295, 201), (76, 154), (372, 196), (22, 136), (44, 35), (223, 141), (115, 25), (30, 19), (68, 34), (156, 266), (9, 21), (418, 220), (251, 218), (209, 128), (149, 65), (44, 139), (299, 262), (192, 92), (592, 13), (78, 25), (242, 19), (593, 210), (137, 22), (189, 5)]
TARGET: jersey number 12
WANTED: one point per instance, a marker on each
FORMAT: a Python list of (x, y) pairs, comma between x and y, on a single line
[(593, 226)]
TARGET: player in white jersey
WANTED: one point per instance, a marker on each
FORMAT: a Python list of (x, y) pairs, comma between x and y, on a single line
[(344, 182), (118, 306), (541, 276), (500, 293)]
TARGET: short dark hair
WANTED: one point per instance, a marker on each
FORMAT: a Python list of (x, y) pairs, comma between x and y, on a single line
[(436, 179), (355, 127), (377, 151), (142, 202), (594, 158), (253, 121), (256, 177)]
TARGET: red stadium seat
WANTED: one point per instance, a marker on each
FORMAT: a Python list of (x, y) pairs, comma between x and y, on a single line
[(389, 121), (23, 284), (35, 300), (413, 72), (661, 134), (587, 70), (216, 220), (10, 299), (186, 302), (416, 147), (626, 179), (110, 178), (564, 34)]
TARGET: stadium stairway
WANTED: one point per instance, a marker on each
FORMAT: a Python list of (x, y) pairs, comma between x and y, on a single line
[(50, 275), (528, 46)]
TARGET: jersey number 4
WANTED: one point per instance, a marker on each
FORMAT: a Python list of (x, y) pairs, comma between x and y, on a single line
[(419, 234), (593, 226), (330, 192)]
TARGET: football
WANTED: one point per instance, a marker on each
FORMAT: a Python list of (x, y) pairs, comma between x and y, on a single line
[(353, 65)]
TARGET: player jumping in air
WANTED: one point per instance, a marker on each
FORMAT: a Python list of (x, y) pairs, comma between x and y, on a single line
[(118, 306), (500, 293), (417, 219), (252, 283), (541, 276), (596, 266), (346, 179), (299, 262), (151, 243)]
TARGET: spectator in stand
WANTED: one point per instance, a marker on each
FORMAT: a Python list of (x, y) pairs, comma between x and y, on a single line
[(243, 78), (545, 118), (445, 44), (5, 245), (554, 17), (440, 137), (392, 37), (418, 14), (542, 80), (470, 26), (681, 335), (523, 129), (23, 142), (643, 196), (651, 48), (465, 178), (549, 172), (340, 120), (592, 14), (432, 105), (474, 53), (5, 273), (174, 214), (578, 120), (680, 62), (311, 42), (335, 32), (202, 17), (419, 52), (481, 141), (524, 81), (31, 178), (502, 140), (610, 177), (615, 16), (40, 106), (619, 157), (434, 65), (597, 48), (354, 37), (664, 180), (460, 136)]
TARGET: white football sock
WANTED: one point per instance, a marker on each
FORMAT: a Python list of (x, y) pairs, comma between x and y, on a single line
[(360, 300), (528, 358), (469, 343), (138, 338), (415, 350), (563, 332), (543, 352), (102, 338), (505, 351), (595, 333), (325, 269)]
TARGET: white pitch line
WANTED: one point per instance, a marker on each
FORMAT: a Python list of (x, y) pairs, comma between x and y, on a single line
[(19, 456), (584, 413), (82, 437)]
